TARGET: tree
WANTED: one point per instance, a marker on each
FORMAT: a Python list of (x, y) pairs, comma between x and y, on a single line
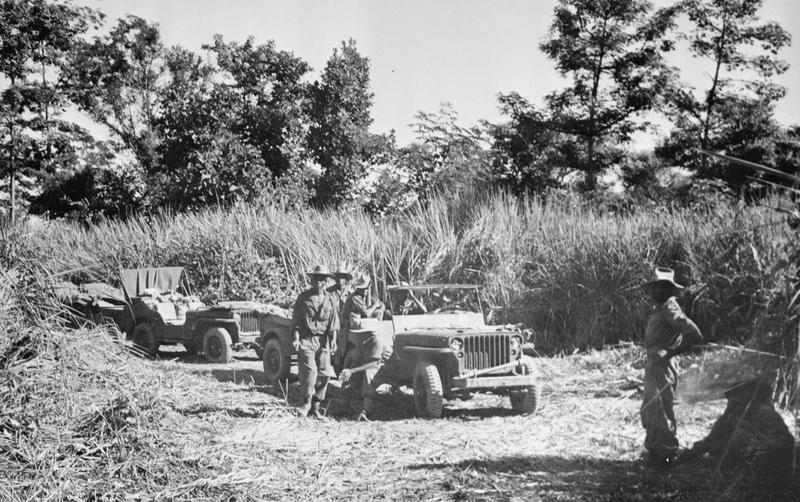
[(529, 156), (36, 40), (445, 156), (736, 112), (338, 136), (263, 88), (117, 80), (612, 52)]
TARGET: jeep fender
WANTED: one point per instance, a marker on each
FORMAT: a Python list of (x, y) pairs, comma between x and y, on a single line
[(205, 324)]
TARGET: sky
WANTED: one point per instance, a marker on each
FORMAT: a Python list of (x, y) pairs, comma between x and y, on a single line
[(422, 52)]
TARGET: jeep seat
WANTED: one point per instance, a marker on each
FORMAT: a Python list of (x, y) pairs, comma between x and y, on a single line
[(168, 313)]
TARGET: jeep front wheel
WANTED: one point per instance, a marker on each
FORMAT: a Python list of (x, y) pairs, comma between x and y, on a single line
[(526, 401), (144, 338), (217, 345), (276, 361), (428, 392)]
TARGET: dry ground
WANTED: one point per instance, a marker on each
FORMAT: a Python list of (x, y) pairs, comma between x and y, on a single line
[(242, 441), (181, 429)]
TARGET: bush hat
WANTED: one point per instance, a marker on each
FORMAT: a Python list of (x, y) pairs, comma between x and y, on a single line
[(320, 271), (362, 282), (663, 275), (343, 270)]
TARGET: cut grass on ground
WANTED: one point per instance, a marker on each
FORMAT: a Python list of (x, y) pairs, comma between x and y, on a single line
[(181, 429)]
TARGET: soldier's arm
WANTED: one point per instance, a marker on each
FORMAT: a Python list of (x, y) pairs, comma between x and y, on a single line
[(685, 326), (298, 316), (347, 373)]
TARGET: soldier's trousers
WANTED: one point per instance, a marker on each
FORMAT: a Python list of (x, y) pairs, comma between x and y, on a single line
[(658, 416), (314, 367)]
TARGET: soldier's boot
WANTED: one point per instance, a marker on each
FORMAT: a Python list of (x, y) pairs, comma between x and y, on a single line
[(366, 406), (303, 409), (314, 411)]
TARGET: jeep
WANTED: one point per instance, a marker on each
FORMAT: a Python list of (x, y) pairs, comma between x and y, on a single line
[(162, 311)]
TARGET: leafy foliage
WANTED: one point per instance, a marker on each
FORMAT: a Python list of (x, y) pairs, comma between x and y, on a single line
[(735, 114), (338, 137), (36, 40), (612, 50)]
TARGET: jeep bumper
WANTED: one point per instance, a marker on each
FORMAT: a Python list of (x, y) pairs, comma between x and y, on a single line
[(493, 382)]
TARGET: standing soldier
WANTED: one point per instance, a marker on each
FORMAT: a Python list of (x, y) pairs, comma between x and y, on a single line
[(316, 324), (340, 292), (669, 332)]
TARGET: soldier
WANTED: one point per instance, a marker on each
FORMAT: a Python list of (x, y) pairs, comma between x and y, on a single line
[(669, 332), (316, 325), (341, 291), (371, 351), (341, 285), (750, 433)]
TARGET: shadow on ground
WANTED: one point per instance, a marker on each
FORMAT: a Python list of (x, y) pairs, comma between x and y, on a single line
[(549, 477)]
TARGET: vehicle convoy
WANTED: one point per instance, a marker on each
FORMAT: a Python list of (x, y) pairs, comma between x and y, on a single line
[(442, 348), (160, 310)]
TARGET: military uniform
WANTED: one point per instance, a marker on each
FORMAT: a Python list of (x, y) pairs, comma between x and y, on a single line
[(316, 319), (668, 329)]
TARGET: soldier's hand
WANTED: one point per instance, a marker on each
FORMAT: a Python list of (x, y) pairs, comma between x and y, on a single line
[(345, 375), (333, 346), (296, 344)]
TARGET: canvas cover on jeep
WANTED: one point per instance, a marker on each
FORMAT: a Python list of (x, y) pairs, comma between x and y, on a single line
[(162, 279)]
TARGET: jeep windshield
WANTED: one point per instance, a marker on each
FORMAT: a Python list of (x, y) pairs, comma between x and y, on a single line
[(435, 299)]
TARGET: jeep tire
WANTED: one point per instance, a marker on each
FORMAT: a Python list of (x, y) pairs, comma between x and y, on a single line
[(276, 362), (217, 345), (525, 401), (428, 392), (144, 338)]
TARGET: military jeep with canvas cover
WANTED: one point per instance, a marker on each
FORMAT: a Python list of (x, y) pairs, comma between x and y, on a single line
[(163, 312)]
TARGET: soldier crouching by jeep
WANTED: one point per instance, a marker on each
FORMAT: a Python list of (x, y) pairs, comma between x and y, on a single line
[(369, 353), (316, 324)]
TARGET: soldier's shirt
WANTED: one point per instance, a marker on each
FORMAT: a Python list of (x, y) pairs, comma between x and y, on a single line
[(354, 308), (315, 314), (667, 327), (340, 295)]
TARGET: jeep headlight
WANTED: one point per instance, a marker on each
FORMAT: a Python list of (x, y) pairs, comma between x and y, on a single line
[(456, 344), (516, 345)]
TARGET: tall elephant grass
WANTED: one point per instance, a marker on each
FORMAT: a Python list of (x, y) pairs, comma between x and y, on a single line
[(567, 269)]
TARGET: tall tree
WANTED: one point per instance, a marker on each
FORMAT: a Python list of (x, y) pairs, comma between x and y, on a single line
[(36, 39), (611, 50), (528, 155), (445, 155), (338, 136), (735, 111), (263, 88), (117, 79)]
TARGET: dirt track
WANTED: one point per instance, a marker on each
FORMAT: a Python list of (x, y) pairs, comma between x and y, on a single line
[(584, 444)]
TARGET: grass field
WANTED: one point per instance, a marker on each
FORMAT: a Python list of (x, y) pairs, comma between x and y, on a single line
[(564, 267)]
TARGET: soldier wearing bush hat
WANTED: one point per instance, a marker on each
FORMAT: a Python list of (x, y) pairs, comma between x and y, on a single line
[(668, 333), (316, 324), (341, 290)]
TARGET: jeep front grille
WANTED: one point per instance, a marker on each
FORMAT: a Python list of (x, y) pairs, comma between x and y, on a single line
[(248, 322), (486, 351)]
